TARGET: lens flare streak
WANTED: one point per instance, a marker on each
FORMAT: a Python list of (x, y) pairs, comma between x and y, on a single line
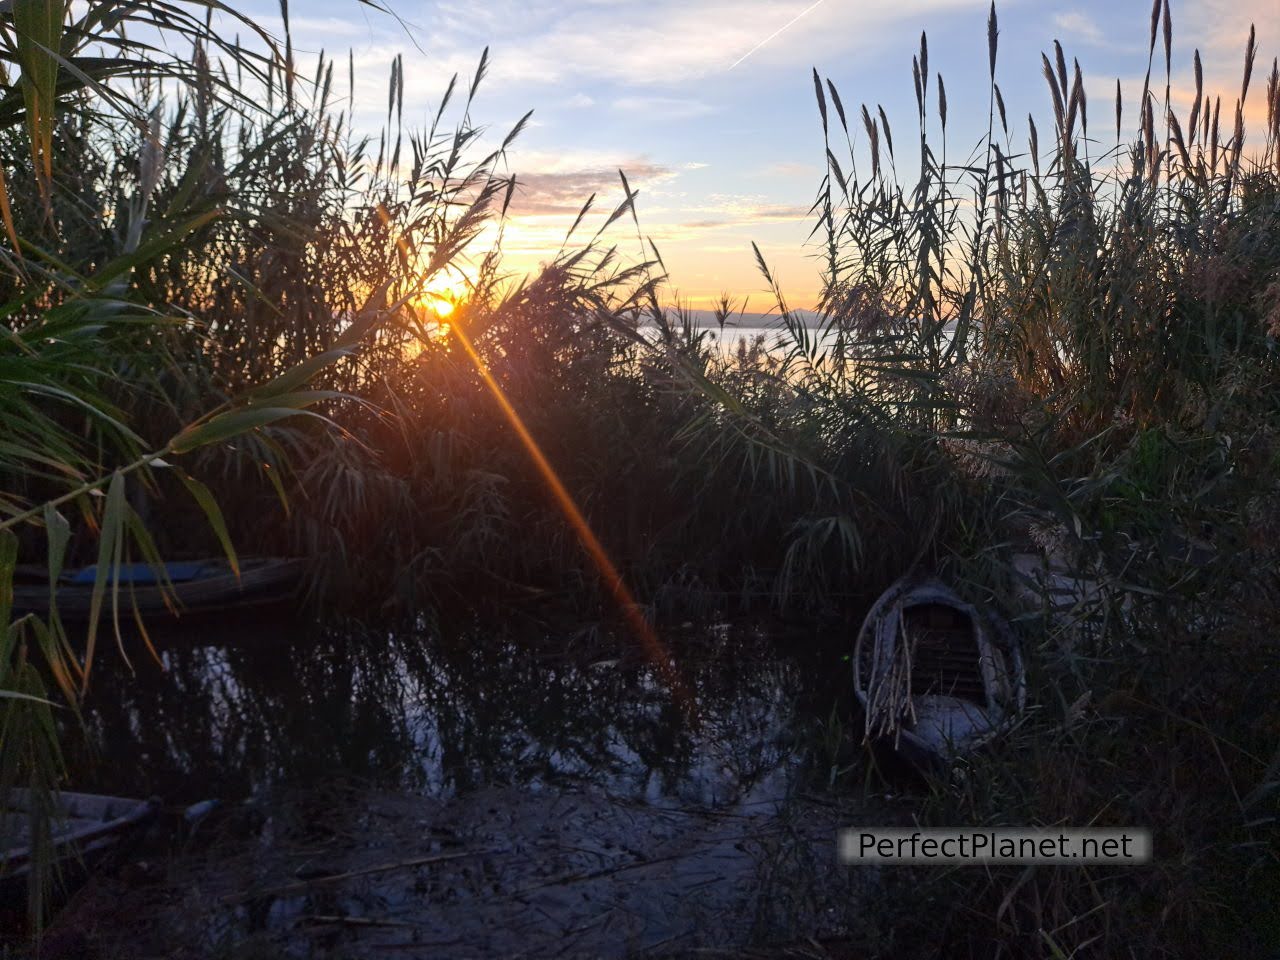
[(653, 645)]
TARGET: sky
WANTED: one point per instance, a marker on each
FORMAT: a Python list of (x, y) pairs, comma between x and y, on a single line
[(709, 108)]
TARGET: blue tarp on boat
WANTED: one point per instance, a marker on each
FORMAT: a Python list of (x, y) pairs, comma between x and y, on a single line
[(141, 573)]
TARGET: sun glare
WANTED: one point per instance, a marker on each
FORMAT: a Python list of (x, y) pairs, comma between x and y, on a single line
[(443, 294)]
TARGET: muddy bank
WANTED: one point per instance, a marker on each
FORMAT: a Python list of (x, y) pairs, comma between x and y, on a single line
[(500, 871)]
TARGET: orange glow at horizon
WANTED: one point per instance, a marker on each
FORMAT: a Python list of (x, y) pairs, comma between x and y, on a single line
[(702, 265), (653, 646)]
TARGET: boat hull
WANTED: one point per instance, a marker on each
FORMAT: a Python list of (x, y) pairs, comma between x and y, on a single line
[(937, 677), (86, 824), (261, 583)]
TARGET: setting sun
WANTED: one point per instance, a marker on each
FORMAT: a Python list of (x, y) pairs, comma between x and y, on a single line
[(444, 293)]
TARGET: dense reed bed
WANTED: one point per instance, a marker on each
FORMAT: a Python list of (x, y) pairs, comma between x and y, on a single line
[(1066, 346), (1087, 338)]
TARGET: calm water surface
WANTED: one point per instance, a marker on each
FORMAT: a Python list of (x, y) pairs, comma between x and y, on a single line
[(435, 714)]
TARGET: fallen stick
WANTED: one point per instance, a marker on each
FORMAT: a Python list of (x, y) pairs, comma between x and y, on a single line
[(344, 920), (594, 874), (304, 885)]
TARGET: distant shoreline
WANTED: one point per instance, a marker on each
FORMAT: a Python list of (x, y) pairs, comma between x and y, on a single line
[(706, 319)]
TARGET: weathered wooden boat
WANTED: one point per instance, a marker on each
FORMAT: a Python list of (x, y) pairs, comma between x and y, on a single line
[(180, 589), (936, 676), (85, 825)]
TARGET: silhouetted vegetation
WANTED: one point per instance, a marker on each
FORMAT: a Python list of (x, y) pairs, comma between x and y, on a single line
[(1066, 347)]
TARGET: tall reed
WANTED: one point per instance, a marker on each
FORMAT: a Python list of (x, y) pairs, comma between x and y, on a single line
[(1082, 343)]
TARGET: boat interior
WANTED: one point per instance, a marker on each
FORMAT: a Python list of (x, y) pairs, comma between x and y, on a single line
[(947, 658)]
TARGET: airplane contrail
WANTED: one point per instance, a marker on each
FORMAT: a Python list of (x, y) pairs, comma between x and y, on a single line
[(806, 10)]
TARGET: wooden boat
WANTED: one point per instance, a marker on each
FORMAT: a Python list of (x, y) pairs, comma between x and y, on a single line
[(85, 824), (936, 676), (194, 587)]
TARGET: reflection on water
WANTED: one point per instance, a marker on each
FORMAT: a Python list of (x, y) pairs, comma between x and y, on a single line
[(441, 715), (479, 791)]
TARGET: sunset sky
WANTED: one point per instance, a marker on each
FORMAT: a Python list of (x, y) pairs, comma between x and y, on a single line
[(724, 154)]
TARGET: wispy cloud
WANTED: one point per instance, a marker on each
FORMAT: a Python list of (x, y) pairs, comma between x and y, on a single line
[(791, 169), (1223, 25), (1079, 25), (562, 192), (771, 214), (663, 43), (734, 210)]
